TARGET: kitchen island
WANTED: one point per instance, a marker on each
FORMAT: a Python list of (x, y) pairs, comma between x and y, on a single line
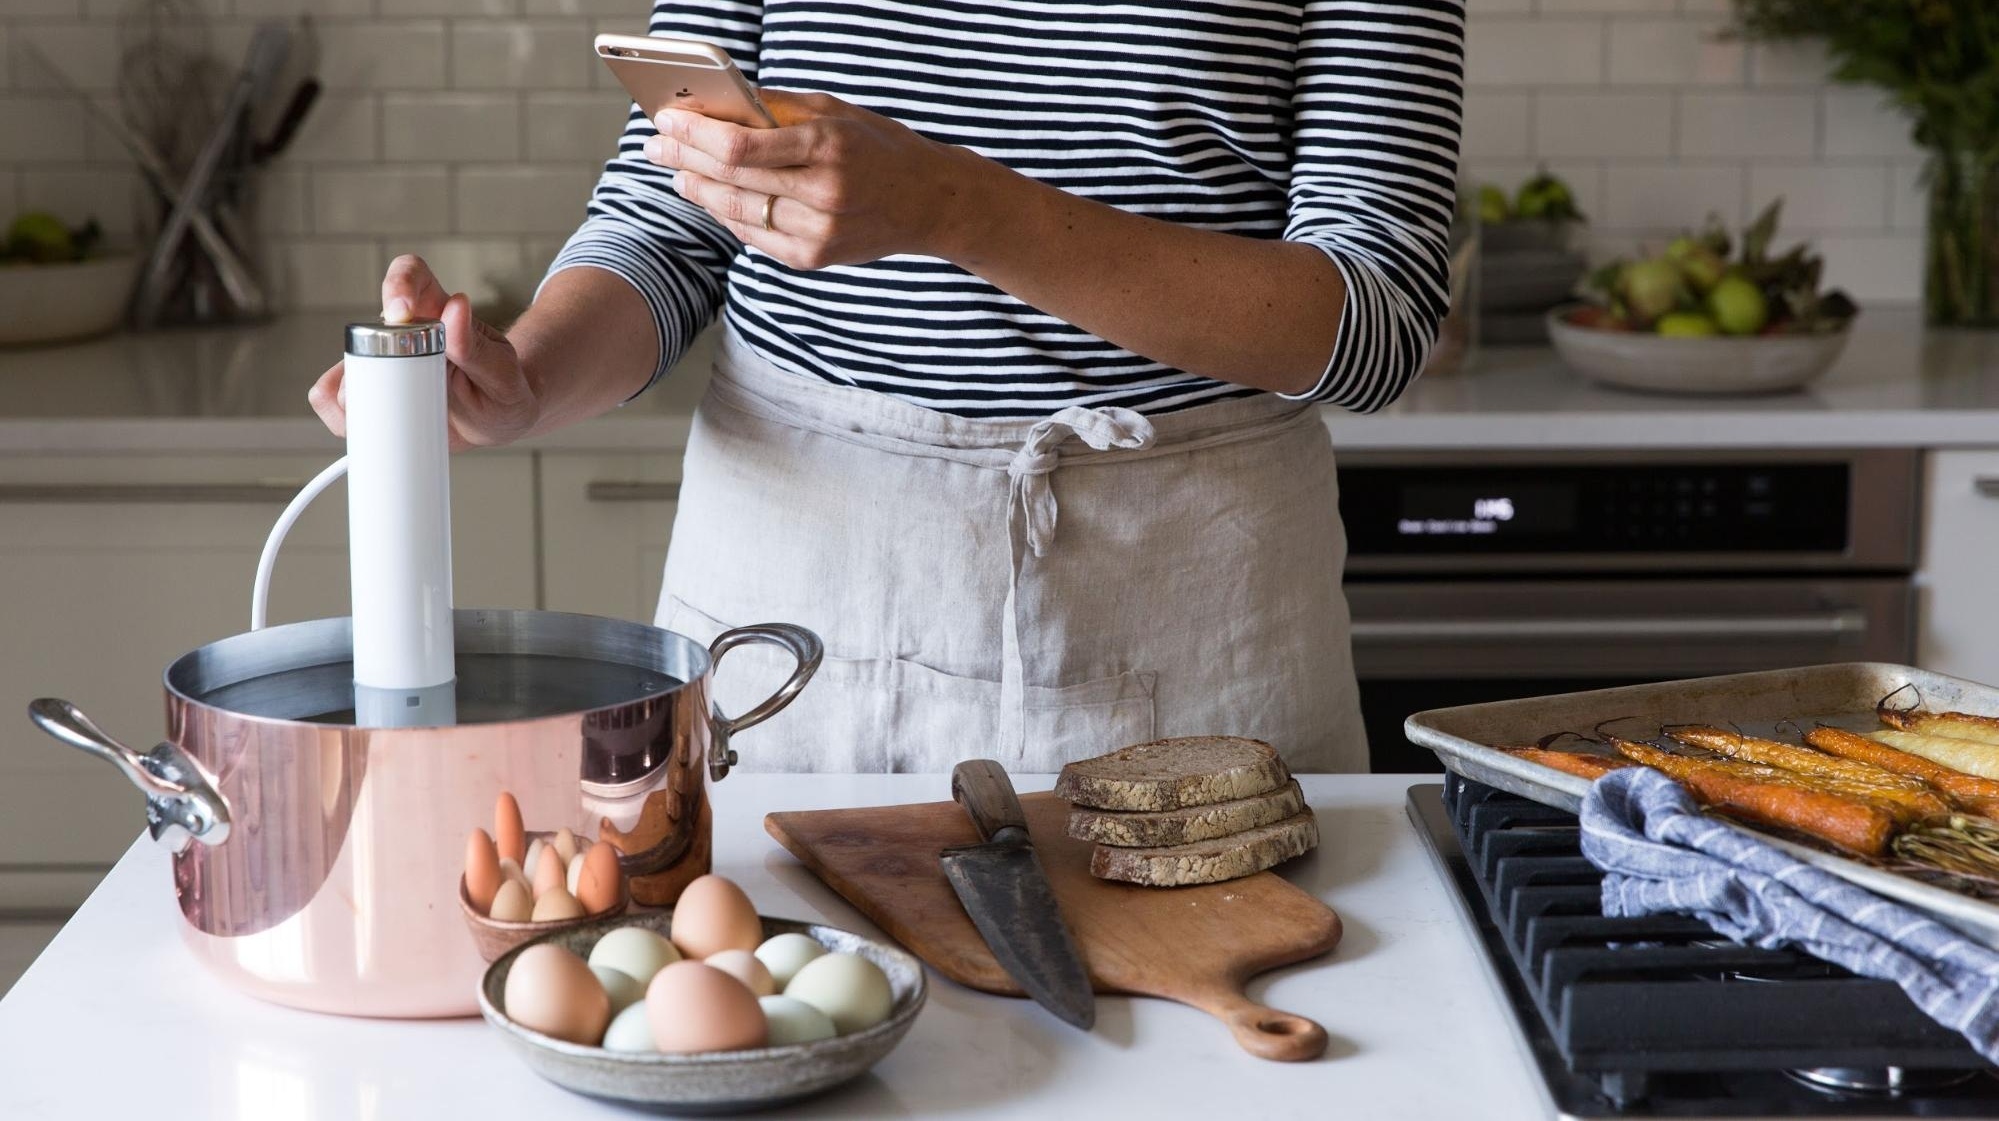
[(115, 1019)]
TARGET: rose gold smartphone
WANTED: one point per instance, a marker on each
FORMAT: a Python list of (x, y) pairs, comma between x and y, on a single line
[(666, 73)]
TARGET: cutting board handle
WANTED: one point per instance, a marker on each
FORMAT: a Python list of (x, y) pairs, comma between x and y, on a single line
[(1264, 1031)]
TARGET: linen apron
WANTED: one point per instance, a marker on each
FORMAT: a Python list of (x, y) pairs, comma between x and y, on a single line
[(1030, 591)]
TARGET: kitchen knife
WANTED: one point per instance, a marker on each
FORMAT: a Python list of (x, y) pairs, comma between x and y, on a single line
[(1003, 888)]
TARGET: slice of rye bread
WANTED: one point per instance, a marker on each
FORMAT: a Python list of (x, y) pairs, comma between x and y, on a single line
[(1185, 826), (1173, 774), (1208, 862)]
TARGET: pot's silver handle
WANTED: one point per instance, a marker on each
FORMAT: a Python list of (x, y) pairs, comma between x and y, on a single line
[(182, 804), (803, 645)]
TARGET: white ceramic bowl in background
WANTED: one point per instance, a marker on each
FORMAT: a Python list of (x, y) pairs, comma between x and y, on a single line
[(1710, 364), (73, 300)]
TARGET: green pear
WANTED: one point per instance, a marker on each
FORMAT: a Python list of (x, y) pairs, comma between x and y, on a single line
[(1651, 288), (1687, 325), (1738, 305)]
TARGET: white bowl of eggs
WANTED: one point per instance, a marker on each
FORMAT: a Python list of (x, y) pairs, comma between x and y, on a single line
[(709, 1008)]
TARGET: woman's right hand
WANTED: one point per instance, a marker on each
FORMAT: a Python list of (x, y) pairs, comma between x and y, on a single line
[(492, 402)]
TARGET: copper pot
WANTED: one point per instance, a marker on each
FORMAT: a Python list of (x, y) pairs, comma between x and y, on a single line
[(317, 862)]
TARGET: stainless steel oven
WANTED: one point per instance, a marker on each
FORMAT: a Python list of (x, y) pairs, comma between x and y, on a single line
[(1476, 576)]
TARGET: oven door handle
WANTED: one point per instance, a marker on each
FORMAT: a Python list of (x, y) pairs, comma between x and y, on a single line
[(1842, 623)]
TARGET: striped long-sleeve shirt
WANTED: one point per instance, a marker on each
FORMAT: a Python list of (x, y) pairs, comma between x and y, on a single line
[(1326, 122)]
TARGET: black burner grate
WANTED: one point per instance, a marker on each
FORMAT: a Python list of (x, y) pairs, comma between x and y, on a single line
[(1662, 1016)]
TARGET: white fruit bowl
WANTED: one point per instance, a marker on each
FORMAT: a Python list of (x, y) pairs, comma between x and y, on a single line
[(1711, 364), (72, 300)]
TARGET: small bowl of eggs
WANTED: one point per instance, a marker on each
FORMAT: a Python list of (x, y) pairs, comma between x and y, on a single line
[(522, 886), (709, 1008)]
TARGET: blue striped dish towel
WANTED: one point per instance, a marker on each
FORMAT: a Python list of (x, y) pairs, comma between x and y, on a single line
[(1661, 855)]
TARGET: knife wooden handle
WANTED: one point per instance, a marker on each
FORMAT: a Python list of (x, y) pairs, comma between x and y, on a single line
[(981, 786)]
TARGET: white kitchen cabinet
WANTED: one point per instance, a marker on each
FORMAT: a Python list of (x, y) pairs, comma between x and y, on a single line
[(114, 565), (605, 523), (1958, 585)]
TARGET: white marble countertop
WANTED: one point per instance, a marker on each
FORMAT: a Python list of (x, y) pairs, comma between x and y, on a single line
[(243, 389), (115, 1020)]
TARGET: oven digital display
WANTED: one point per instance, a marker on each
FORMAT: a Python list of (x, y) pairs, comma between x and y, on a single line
[(1470, 509), (1533, 509)]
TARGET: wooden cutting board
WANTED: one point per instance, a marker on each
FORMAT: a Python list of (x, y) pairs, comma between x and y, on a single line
[(1196, 945)]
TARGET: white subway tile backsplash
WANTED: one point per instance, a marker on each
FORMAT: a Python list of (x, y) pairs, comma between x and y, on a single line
[(1748, 124), (472, 129), (341, 128), (1908, 196), (521, 55), (77, 51), (503, 199), (1861, 123), (1498, 125), (40, 128), (1873, 266), (1821, 197), (381, 200), (385, 55), (1603, 124), (332, 273), (1654, 52), (453, 127), (1664, 196), (577, 127), (1789, 64), (1537, 52)]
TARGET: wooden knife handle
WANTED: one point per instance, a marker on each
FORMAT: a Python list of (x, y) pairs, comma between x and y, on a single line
[(981, 786)]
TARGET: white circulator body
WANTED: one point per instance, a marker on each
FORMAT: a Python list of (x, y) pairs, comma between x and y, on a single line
[(399, 540)]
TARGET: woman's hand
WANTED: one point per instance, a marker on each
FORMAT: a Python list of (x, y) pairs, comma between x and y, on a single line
[(492, 402), (849, 185)]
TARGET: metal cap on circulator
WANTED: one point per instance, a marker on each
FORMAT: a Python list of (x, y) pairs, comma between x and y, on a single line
[(380, 339)]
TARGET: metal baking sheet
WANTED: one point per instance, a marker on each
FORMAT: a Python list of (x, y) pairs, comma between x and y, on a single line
[(1467, 739)]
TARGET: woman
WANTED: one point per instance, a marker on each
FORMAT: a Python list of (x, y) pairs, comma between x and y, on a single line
[(1028, 307)]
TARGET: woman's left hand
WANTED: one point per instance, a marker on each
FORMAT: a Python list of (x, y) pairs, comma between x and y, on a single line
[(848, 185)]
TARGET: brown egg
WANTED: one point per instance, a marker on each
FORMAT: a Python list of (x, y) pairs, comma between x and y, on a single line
[(694, 1007), (552, 991), (512, 903), (600, 884), (556, 904), (508, 832), (714, 915), (482, 870), (548, 873), (744, 966)]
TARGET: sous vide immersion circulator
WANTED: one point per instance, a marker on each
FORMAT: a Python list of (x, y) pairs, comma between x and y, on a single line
[(399, 524)]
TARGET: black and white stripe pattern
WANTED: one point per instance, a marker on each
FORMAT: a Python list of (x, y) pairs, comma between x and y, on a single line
[(1334, 124)]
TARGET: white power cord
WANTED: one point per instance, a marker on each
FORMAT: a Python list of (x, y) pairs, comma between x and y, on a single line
[(260, 592)]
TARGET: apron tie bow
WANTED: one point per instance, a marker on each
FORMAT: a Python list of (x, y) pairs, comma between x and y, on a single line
[(1031, 513), (1032, 498)]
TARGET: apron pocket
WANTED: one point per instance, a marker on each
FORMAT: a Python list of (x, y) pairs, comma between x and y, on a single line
[(892, 715)]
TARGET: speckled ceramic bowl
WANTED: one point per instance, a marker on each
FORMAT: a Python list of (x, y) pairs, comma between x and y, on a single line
[(721, 1081)]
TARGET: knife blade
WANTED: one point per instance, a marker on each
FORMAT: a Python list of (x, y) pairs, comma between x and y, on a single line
[(1001, 883)]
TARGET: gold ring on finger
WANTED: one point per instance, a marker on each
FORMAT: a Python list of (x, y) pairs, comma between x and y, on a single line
[(770, 204)]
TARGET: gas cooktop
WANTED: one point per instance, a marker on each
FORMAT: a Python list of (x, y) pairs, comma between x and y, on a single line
[(1661, 1016)]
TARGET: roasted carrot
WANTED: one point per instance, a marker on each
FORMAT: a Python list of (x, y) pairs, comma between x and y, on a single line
[(1956, 725), (1591, 767), (1845, 776), (1849, 823), (1970, 792)]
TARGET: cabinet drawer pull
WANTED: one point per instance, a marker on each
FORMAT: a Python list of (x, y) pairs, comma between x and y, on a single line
[(632, 492), (149, 493), (1987, 485)]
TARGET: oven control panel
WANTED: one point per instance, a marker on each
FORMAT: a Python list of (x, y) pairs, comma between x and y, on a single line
[(1511, 509)]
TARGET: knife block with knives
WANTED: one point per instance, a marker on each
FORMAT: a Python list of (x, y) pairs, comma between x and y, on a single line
[(1196, 945)]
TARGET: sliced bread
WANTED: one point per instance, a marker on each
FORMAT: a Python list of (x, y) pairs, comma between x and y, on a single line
[(1207, 862), (1185, 826), (1173, 774)]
